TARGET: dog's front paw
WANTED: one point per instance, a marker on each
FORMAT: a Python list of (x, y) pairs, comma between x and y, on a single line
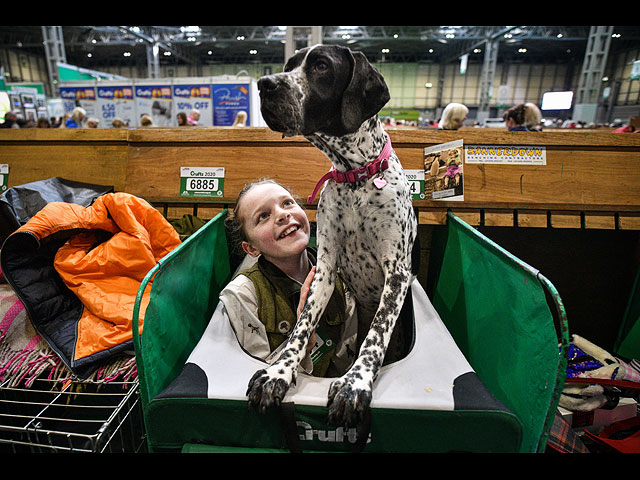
[(266, 389), (349, 400)]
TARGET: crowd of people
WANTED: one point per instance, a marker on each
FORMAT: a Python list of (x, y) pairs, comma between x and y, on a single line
[(521, 117)]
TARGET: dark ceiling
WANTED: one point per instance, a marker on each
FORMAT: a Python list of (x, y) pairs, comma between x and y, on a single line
[(98, 46)]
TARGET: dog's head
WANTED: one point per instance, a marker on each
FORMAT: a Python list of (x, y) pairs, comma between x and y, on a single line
[(324, 89)]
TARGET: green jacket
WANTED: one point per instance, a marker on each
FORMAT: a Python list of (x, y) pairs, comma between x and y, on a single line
[(278, 296)]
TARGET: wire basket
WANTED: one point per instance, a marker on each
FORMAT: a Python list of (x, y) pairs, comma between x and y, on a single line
[(72, 416)]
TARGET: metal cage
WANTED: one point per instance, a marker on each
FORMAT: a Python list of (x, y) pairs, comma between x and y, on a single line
[(72, 416)]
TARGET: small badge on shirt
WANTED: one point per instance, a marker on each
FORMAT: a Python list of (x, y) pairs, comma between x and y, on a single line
[(284, 327)]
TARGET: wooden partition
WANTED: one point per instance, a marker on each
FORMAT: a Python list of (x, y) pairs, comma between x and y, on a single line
[(590, 179)]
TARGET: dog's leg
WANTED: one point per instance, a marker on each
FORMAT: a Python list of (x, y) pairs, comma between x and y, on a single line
[(350, 395), (268, 386)]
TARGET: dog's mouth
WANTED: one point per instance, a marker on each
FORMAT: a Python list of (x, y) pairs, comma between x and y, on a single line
[(289, 231)]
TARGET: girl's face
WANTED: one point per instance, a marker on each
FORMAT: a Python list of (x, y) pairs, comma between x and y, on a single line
[(274, 223)]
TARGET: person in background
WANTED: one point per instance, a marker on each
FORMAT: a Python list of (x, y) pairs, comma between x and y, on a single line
[(77, 117), (514, 118), (10, 121), (182, 119), (241, 119), (63, 121), (145, 121), (532, 117), (93, 122), (193, 118), (118, 123), (453, 116), (43, 122), (631, 127)]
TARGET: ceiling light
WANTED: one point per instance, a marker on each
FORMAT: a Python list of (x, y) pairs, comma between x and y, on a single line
[(559, 35), (240, 37), (253, 52), (127, 54), (167, 54), (522, 50), (385, 50)]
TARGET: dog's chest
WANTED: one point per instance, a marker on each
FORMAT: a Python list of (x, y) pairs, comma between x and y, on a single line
[(353, 222)]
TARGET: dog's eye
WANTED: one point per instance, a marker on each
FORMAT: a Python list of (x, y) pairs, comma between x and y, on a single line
[(320, 66)]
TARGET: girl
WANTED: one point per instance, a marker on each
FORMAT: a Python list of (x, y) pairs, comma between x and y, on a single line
[(264, 301)]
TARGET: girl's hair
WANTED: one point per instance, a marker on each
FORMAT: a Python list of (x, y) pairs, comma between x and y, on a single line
[(517, 113), (235, 224)]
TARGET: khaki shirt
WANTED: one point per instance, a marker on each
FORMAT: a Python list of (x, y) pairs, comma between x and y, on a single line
[(241, 306)]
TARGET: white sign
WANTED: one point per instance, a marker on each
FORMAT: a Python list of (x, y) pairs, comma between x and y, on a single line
[(201, 181), (416, 183)]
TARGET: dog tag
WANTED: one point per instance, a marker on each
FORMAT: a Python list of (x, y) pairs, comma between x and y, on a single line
[(379, 182)]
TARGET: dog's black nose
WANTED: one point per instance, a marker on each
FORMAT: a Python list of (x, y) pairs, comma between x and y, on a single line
[(267, 83)]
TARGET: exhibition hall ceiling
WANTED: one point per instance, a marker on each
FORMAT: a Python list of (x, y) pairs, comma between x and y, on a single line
[(94, 46)]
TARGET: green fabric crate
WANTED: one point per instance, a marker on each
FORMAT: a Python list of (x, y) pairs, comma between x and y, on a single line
[(513, 415)]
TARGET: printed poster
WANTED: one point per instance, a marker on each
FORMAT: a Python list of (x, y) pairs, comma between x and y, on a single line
[(228, 100), (189, 97), (443, 171), (84, 97), (116, 102), (155, 101), (506, 154)]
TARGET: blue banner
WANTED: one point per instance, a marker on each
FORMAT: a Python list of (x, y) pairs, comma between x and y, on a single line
[(228, 100)]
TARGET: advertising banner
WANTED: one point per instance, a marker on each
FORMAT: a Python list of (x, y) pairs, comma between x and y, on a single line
[(116, 101), (194, 96), (82, 96), (156, 101), (506, 154), (228, 100)]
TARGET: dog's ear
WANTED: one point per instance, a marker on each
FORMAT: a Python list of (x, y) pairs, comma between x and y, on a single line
[(365, 94)]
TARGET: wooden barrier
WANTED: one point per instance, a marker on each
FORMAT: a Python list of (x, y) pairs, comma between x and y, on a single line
[(590, 179)]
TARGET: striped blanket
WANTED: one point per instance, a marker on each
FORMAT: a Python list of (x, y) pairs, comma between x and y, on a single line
[(24, 356)]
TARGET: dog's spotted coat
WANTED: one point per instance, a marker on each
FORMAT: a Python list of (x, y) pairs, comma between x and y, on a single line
[(332, 96)]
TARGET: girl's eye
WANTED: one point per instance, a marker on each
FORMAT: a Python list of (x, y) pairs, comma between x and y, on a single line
[(263, 216), (288, 203)]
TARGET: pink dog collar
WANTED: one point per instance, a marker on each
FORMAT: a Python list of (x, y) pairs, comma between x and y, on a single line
[(367, 171)]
